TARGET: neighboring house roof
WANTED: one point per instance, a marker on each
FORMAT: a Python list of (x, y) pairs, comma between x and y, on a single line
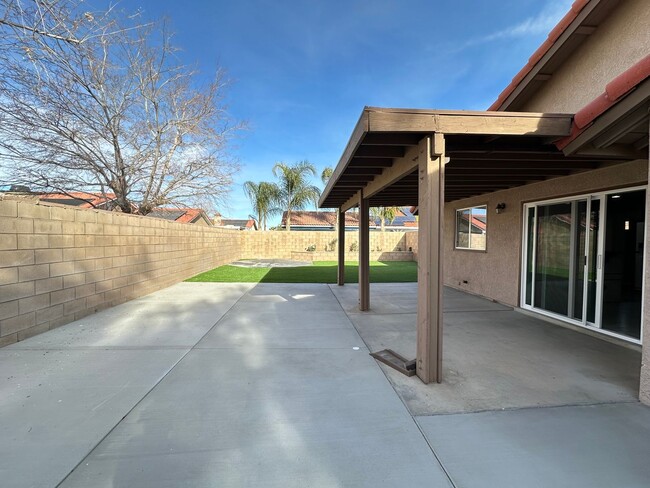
[(241, 224), (403, 218), (318, 219), (79, 199), (479, 222), (12, 188), (327, 220), (183, 215)]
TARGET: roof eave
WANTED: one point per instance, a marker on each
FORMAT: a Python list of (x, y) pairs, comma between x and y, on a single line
[(571, 29)]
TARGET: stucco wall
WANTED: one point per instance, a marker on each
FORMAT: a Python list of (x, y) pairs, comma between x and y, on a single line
[(58, 264), (496, 273), (618, 43)]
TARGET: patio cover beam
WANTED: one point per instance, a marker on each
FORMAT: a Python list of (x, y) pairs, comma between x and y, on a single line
[(390, 124), (467, 123), (352, 202)]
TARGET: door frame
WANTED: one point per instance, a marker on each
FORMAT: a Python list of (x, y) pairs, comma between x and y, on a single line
[(602, 195)]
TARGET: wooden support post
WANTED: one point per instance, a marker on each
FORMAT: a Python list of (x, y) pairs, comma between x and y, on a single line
[(431, 199), (364, 254), (340, 280)]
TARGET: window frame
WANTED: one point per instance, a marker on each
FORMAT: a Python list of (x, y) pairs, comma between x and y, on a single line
[(456, 229)]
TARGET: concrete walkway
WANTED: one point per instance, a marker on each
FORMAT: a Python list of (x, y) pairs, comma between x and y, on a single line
[(493, 357), (238, 385)]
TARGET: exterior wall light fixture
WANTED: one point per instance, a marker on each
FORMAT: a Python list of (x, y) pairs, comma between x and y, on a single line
[(500, 207)]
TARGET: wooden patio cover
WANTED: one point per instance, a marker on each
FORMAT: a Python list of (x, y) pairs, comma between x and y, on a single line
[(427, 158)]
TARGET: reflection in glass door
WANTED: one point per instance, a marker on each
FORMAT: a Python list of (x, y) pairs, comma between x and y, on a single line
[(623, 263), (583, 260), (553, 257), (562, 254)]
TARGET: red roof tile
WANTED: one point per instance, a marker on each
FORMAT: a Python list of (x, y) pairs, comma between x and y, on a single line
[(183, 215), (553, 36), (189, 215), (614, 91), (91, 199), (318, 219)]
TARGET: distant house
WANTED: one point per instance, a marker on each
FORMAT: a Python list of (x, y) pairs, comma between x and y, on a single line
[(81, 199), (183, 215), (240, 224), (315, 220), (404, 220)]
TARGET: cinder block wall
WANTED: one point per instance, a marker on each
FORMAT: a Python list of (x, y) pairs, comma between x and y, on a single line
[(411, 242), (280, 244), (58, 264)]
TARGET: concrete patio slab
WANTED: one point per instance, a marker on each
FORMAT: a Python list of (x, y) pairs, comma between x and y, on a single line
[(62, 391), (292, 406), (599, 446), (230, 420), (284, 316), (285, 338), (403, 298), (55, 406), (279, 391), (177, 316), (497, 358)]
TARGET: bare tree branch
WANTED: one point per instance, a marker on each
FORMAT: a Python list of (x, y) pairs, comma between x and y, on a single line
[(114, 112)]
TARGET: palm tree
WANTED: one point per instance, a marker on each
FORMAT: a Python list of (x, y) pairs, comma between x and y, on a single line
[(295, 190), (326, 174), (384, 214), (325, 178), (263, 197)]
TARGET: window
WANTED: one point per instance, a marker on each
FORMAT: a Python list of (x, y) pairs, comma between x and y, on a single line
[(471, 228)]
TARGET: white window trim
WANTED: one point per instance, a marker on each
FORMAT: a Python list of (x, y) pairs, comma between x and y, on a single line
[(469, 248)]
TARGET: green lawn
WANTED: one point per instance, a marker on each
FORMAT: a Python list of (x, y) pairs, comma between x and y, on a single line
[(320, 272)]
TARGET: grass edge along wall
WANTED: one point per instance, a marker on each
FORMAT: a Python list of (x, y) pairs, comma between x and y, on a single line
[(60, 263)]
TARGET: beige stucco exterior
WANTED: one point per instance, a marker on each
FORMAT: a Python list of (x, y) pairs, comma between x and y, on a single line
[(619, 42), (496, 272)]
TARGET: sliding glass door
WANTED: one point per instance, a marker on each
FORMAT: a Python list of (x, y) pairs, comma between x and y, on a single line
[(584, 264)]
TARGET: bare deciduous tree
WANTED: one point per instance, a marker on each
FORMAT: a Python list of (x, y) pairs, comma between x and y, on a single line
[(98, 102)]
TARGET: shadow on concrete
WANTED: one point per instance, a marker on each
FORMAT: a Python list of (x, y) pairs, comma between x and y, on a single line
[(494, 357), (280, 392)]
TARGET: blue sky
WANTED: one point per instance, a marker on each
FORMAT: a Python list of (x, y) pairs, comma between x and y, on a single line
[(302, 71)]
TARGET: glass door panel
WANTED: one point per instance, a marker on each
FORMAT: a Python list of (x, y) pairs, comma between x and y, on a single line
[(553, 257), (530, 250), (623, 263), (592, 259), (584, 260), (580, 224)]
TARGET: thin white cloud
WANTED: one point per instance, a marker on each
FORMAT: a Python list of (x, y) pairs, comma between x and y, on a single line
[(542, 23)]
